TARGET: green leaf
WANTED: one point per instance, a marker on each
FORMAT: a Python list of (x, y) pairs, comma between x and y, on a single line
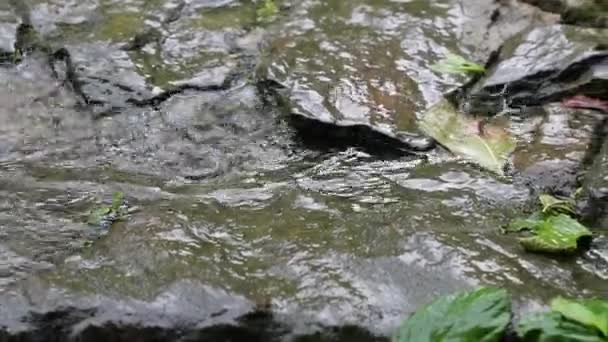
[(461, 135), (114, 212), (555, 205), (589, 312), (455, 64), (480, 315), (267, 11), (117, 200), (557, 234), (551, 234), (98, 214), (528, 223), (553, 327)]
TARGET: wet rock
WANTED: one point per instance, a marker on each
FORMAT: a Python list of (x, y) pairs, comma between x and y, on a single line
[(551, 149), (198, 4), (49, 16), (359, 65), (579, 12), (557, 177), (186, 53), (216, 76), (38, 310), (595, 187), (206, 314), (595, 260), (230, 210), (8, 33), (547, 64), (10, 23), (109, 76)]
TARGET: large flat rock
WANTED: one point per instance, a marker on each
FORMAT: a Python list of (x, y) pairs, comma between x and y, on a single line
[(357, 63), (236, 227), (549, 63)]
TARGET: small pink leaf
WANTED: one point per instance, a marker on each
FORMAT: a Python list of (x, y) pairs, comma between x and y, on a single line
[(582, 101)]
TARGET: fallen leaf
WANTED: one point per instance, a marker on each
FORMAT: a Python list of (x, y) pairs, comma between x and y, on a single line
[(455, 64), (490, 147), (550, 233), (582, 101)]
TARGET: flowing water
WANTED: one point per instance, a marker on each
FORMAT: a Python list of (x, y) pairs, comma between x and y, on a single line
[(231, 205)]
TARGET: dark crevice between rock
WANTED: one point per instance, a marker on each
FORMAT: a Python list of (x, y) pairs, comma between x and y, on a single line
[(322, 136), (155, 101), (29, 42), (71, 79), (231, 82), (164, 96)]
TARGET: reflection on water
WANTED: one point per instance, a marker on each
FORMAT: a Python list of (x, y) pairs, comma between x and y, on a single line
[(230, 207)]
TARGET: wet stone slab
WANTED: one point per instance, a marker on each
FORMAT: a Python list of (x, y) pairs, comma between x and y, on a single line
[(596, 190), (592, 13), (231, 210), (360, 64), (576, 62)]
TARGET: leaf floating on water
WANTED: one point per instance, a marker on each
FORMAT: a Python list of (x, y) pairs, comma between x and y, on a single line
[(461, 135), (589, 312), (481, 315), (550, 233), (455, 64)]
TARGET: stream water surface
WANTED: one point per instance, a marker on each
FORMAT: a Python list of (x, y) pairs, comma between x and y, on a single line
[(232, 204)]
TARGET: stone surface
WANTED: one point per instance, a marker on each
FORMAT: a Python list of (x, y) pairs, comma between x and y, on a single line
[(549, 63), (595, 191), (238, 224), (578, 12), (358, 64)]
